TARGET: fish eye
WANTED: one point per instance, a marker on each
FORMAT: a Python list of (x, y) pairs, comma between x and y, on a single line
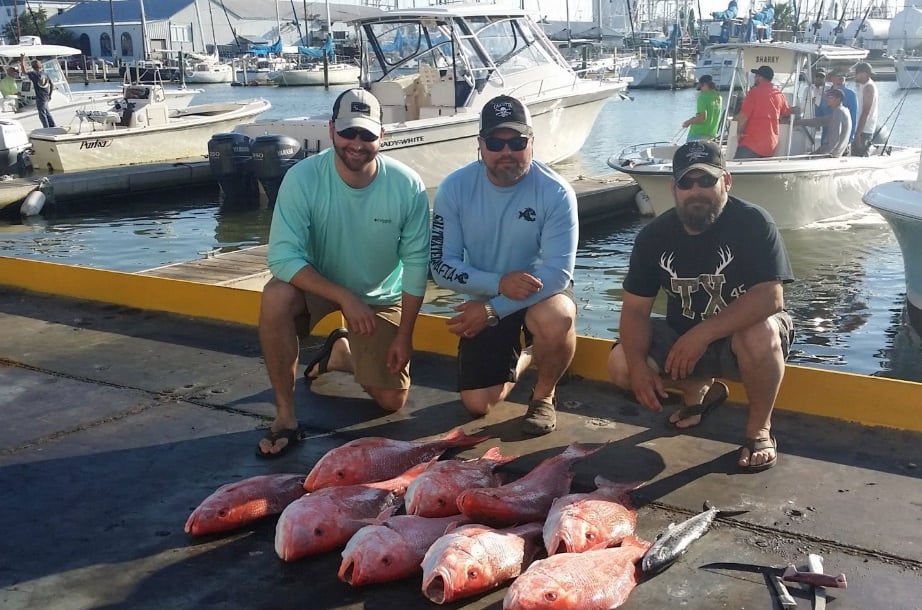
[(223, 513), (441, 502), (473, 574), (386, 560), (550, 596), (340, 475), (590, 536), (318, 531)]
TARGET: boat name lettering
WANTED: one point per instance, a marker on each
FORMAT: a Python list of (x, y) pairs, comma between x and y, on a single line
[(402, 142), (768, 59), (91, 144)]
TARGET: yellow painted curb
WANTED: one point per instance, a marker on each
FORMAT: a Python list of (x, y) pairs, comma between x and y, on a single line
[(863, 399)]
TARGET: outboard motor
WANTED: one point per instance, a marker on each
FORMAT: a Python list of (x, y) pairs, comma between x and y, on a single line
[(13, 144), (273, 155), (229, 157)]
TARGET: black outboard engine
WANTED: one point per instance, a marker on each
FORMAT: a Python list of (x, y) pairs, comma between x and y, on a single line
[(273, 155), (229, 157)]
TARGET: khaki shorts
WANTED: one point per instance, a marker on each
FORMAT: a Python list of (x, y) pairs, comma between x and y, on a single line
[(369, 354)]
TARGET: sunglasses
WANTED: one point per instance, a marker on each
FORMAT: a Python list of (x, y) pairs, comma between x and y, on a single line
[(705, 181), (351, 133), (515, 144)]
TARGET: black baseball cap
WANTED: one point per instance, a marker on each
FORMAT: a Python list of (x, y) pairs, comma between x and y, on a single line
[(705, 79), (819, 72), (862, 66), (765, 72), (698, 154), (505, 112)]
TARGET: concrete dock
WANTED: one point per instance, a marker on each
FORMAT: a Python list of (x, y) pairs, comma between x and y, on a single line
[(120, 419)]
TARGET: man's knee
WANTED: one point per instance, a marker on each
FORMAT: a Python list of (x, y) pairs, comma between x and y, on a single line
[(389, 400), (757, 341), (617, 368)]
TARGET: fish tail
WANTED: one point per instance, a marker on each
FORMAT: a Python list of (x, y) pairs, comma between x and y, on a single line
[(579, 451), (493, 454)]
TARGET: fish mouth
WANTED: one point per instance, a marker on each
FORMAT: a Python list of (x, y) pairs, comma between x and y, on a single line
[(438, 588), (347, 572), (559, 544)]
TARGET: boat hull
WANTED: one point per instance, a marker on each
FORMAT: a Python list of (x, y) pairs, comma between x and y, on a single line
[(338, 74), (908, 72), (795, 192), (436, 146), (900, 203), (185, 136)]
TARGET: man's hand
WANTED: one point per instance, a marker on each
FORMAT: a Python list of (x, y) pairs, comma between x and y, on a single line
[(399, 352), (360, 317), (471, 320), (685, 354), (518, 285), (648, 387)]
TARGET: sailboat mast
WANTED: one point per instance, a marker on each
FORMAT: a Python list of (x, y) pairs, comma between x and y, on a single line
[(214, 37), (144, 40), (201, 28)]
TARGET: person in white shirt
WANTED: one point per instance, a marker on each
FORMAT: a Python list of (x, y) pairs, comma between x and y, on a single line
[(867, 109)]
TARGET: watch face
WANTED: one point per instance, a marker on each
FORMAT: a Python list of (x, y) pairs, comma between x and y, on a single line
[(492, 320)]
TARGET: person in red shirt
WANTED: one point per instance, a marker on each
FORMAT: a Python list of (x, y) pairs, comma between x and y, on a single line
[(760, 117)]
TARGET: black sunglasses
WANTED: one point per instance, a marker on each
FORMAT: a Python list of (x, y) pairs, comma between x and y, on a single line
[(515, 144), (705, 181), (352, 132)]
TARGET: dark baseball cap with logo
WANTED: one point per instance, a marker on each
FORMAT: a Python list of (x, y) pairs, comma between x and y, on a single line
[(698, 154), (357, 108), (705, 79), (505, 112), (765, 72)]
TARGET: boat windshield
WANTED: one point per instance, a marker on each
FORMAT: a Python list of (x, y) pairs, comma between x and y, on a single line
[(474, 48)]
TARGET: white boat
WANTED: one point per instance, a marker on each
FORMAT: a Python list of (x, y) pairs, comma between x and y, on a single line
[(900, 203), (312, 74), (905, 46), (64, 102), (207, 69), (433, 69), (656, 71), (795, 187), (138, 128), (908, 71), (719, 64)]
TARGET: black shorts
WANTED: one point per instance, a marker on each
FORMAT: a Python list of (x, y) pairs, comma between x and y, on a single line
[(490, 358), (718, 360)]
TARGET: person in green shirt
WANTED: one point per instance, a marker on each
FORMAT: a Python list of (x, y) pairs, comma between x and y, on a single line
[(704, 125), (9, 85)]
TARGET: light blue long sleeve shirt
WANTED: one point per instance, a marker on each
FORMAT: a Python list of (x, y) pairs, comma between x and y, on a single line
[(374, 241), (481, 231)]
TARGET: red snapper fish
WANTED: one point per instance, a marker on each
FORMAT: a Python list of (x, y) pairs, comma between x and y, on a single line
[(435, 492), (594, 580), (529, 498), (366, 460), (236, 504), (473, 559), (392, 549), (589, 521), (325, 520)]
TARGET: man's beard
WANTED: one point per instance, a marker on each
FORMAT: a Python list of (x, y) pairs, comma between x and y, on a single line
[(508, 173), (696, 217), (354, 164)]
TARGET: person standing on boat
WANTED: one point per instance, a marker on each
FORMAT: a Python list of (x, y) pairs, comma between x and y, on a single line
[(350, 233), (818, 93), (849, 99), (706, 122), (505, 232), (867, 109), (759, 117), (722, 264), (9, 84), (836, 124), (43, 88)]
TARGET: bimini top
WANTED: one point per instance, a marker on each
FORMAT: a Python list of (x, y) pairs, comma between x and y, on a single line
[(464, 11), (832, 52)]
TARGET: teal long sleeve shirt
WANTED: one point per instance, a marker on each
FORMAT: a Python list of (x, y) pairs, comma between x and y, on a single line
[(373, 241)]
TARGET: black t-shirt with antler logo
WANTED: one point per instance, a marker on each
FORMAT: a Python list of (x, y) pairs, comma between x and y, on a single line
[(703, 273)]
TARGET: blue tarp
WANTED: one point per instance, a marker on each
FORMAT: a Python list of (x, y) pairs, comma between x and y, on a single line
[(318, 52), (264, 50)]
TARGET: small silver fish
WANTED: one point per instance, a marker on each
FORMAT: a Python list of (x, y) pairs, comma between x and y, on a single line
[(672, 544)]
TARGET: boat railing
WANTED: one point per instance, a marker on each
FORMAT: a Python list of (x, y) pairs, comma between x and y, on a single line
[(649, 153)]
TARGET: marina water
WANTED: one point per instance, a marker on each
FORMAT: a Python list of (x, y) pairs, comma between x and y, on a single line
[(847, 302)]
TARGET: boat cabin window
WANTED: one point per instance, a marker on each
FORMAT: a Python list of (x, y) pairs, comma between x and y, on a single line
[(137, 93)]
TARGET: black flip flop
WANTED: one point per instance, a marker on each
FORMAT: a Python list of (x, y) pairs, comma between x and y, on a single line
[(716, 395), (292, 436), (760, 444), (322, 357)]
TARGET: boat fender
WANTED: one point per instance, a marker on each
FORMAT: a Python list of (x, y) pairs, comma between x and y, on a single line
[(33, 203), (644, 205)]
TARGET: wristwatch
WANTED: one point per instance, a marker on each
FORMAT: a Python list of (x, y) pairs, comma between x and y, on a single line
[(492, 318)]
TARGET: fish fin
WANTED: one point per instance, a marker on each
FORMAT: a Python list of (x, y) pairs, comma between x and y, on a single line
[(731, 513), (493, 454), (458, 438), (621, 491)]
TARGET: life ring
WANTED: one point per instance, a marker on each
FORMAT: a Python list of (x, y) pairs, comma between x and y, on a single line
[(189, 72)]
